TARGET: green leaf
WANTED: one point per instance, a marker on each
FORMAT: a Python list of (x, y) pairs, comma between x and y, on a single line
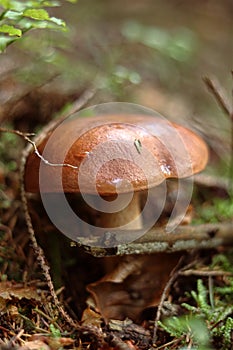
[(17, 17), (37, 14), (12, 5), (42, 3), (55, 332), (4, 42), (10, 30), (57, 21), (42, 17), (13, 15)]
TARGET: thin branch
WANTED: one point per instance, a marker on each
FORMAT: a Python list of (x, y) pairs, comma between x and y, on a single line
[(77, 105), (16, 337), (80, 102), (231, 162), (220, 96), (25, 136), (172, 342), (17, 132), (42, 260), (174, 274), (209, 181), (184, 237), (37, 249), (204, 273)]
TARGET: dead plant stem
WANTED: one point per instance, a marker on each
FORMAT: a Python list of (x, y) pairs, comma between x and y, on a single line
[(219, 94), (173, 276), (37, 249), (78, 104)]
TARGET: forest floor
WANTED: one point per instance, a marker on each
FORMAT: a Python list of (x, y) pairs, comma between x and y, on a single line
[(102, 53)]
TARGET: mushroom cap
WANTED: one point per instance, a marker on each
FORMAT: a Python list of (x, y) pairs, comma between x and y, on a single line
[(106, 153)]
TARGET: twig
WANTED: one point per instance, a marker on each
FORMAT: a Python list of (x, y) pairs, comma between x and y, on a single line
[(16, 337), (174, 274), (37, 249), (50, 319), (80, 102), (217, 91), (77, 105), (207, 180), (186, 237), (40, 256), (220, 96), (204, 273), (172, 342), (231, 162), (25, 136)]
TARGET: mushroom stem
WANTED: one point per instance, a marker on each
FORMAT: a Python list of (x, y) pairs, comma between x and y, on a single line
[(130, 215)]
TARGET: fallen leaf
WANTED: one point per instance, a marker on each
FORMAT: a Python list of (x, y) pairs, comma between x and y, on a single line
[(35, 345), (10, 290), (134, 285)]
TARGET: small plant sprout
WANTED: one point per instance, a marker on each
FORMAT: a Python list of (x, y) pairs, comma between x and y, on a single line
[(213, 319), (18, 17)]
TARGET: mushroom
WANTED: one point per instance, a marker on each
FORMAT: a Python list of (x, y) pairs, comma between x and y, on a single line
[(112, 159), (114, 155)]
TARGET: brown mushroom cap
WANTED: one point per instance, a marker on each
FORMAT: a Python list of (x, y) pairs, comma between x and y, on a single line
[(125, 142)]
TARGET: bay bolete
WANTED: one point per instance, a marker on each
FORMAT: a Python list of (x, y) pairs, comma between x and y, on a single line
[(111, 159)]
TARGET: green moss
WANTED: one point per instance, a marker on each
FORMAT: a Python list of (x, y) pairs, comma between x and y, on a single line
[(209, 311), (214, 211)]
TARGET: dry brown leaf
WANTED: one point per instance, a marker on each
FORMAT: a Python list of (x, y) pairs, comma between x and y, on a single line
[(10, 290), (35, 345), (134, 285), (2, 304), (91, 317)]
